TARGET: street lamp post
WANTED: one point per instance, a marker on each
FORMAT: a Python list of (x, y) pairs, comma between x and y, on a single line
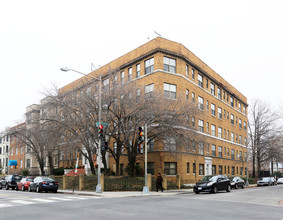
[(98, 187)]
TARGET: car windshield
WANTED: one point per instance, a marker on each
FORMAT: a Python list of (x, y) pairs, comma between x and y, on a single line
[(265, 178), (30, 179), (209, 178), (47, 179), (232, 178)]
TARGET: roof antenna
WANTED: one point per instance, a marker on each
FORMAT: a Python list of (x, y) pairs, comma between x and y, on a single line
[(158, 35)]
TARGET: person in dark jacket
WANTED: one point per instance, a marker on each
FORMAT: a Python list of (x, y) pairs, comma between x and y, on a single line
[(159, 181)]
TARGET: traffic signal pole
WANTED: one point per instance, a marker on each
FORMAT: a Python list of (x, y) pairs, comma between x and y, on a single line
[(145, 188)]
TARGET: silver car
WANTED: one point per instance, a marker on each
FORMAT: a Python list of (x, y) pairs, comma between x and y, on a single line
[(265, 181)]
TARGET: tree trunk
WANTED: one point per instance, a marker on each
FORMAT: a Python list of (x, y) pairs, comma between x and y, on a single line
[(253, 164), (51, 167), (117, 160), (132, 161)]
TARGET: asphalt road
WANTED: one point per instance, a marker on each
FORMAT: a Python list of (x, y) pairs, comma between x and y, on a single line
[(253, 203)]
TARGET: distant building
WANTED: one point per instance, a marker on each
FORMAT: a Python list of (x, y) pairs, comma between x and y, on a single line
[(4, 153)]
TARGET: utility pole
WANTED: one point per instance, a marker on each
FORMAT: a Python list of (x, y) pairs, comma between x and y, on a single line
[(145, 188)]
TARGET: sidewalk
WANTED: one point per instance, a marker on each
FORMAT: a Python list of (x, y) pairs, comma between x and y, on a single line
[(133, 193)]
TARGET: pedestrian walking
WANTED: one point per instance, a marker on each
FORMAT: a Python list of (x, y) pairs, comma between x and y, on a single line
[(159, 181)]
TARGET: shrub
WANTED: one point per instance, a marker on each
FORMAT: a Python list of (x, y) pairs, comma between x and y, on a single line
[(25, 172), (58, 171)]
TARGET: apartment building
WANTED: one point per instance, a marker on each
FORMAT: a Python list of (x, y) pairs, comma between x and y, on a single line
[(166, 66), (4, 153)]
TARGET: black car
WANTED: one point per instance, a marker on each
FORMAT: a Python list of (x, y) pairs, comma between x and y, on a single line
[(212, 184), (237, 182), (10, 181), (43, 183)]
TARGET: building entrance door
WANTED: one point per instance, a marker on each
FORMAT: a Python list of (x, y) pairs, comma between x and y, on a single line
[(208, 165)]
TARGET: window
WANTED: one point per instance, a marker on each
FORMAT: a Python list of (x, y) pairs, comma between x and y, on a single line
[(245, 125), (151, 145), (188, 167), (220, 169), (207, 127), (212, 88), (193, 121), (201, 169), (213, 133), (213, 150), (219, 113), (122, 77), (233, 171), (149, 89), (138, 71), (115, 80), (11, 149), (193, 74), (240, 139), (138, 95), (28, 163), (232, 101), (212, 109), (213, 169), (187, 94), (219, 151), (194, 168), (170, 91), (240, 107), (219, 132), (219, 93), (169, 64), (207, 148), (207, 105), (232, 119), (245, 110), (130, 73), (150, 168), (207, 83), (233, 154), (170, 144), (241, 155), (187, 69), (200, 80), (200, 103), (200, 125), (193, 97), (200, 148), (245, 142), (149, 66), (170, 168), (240, 123), (232, 136)]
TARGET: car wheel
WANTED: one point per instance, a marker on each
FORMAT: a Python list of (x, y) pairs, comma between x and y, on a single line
[(17, 189), (243, 186), (7, 186), (196, 192), (55, 191), (214, 189), (23, 188), (236, 186), (37, 189), (29, 189), (228, 188)]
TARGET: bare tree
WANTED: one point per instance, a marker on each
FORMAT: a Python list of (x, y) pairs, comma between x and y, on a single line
[(261, 134)]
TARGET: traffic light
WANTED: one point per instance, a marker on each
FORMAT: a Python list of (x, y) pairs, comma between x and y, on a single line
[(140, 149), (101, 131), (140, 135)]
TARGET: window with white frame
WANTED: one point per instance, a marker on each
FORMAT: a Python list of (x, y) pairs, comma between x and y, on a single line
[(201, 169), (232, 136), (138, 95), (212, 88), (200, 125), (232, 119), (187, 69), (240, 107), (138, 70), (219, 151), (169, 64), (219, 93), (170, 144), (187, 94), (219, 132), (149, 66), (200, 103), (193, 97), (200, 80), (207, 127), (170, 168), (213, 132), (232, 154), (200, 148), (219, 113), (232, 101), (193, 74), (212, 109), (122, 77), (130, 72), (240, 139), (193, 121), (245, 125), (240, 123), (213, 150), (170, 90), (149, 90), (207, 105)]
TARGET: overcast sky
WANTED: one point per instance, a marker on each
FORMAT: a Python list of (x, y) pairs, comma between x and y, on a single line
[(241, 40)]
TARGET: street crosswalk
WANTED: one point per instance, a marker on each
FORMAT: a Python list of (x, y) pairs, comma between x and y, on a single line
[(33, 201)]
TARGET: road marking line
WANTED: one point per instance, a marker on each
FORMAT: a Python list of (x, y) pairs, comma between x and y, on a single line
[(62, 199), (5, 205), (23, 202), (78, 198), (43, 200)]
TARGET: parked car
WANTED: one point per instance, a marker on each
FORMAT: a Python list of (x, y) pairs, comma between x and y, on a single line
[(24, 183), (43, 183), (273, 181), (212, 184), (237, 182), (265, 181), (280, 181), (10, 181)]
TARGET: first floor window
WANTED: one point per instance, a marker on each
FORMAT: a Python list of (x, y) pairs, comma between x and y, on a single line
[(213, 169), (28, 163), (188, 167), (170, 168), (150, 168), (220, 170), (201, 169)]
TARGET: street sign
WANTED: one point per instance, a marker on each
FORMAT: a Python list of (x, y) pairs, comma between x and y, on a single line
[(102, 123)]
